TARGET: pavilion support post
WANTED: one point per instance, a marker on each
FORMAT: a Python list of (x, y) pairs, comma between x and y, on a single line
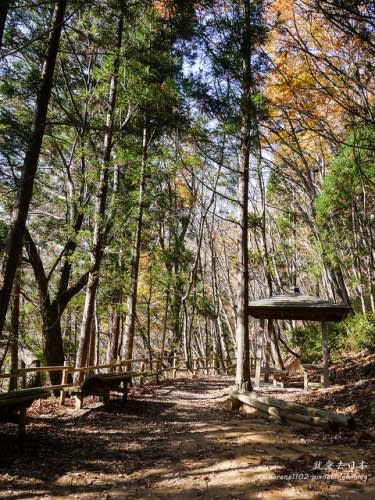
[(325, 378), (275, 348), (267, 351), (258, 354)]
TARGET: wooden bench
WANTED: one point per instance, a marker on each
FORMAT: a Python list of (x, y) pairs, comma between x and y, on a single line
[(101, 384), (279, 377), (13, 405), (309, 370)]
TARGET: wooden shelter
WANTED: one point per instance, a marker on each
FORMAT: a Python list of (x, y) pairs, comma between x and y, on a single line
[(296, 306)]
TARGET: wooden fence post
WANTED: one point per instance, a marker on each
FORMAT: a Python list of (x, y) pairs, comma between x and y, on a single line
[(64, 381), (175, 364), (36, 380), (259, 355), (252, 363), (142, 369), (23, 377), (117, 361), (157, 361), (227, 364), (13, 379), (215, 364), (195, 367)]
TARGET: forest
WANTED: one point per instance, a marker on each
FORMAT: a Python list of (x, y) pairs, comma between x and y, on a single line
[(164, 163)]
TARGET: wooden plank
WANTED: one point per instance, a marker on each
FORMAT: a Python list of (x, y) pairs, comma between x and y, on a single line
[(313, 368), (20, 392), (19, 400), (32, 393), (39, 369), (325, 377)]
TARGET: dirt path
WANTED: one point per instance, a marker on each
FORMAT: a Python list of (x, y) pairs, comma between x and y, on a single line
[(176, 441)]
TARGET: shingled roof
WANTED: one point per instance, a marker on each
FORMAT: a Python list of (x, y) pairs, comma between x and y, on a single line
[(296, 306)]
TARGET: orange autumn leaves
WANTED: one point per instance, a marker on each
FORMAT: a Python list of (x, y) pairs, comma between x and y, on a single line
[(317, 82), (164, 8)]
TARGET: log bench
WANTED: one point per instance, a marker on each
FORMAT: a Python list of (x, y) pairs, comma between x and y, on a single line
[(309, 370), (285, 410), (13, 405), (279, 377), (101, 384)]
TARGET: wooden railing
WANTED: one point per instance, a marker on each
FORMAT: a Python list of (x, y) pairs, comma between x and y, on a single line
[(166, 367)]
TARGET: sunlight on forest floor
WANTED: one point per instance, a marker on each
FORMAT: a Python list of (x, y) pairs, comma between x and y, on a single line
[(177, 441)]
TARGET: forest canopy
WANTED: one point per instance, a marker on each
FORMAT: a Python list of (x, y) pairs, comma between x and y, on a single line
[(163, 163)]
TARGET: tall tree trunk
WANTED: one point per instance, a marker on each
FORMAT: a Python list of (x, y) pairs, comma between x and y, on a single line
[(266, 258), (148, 319), (53, 348), (13, 245), (187, 323), (93, 342), (216, 294), (128, 339), (176, 305), (14, 330), (271, 344), (115, 314), (100, 209), (165, 317), (242, 323), (114, 327)]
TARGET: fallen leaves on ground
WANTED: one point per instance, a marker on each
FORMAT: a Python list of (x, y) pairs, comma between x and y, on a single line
[(175, 440)]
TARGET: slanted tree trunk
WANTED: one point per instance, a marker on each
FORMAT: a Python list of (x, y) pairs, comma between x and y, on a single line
[(13, 245), (53, 348), (52, 309), (4, 7)]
